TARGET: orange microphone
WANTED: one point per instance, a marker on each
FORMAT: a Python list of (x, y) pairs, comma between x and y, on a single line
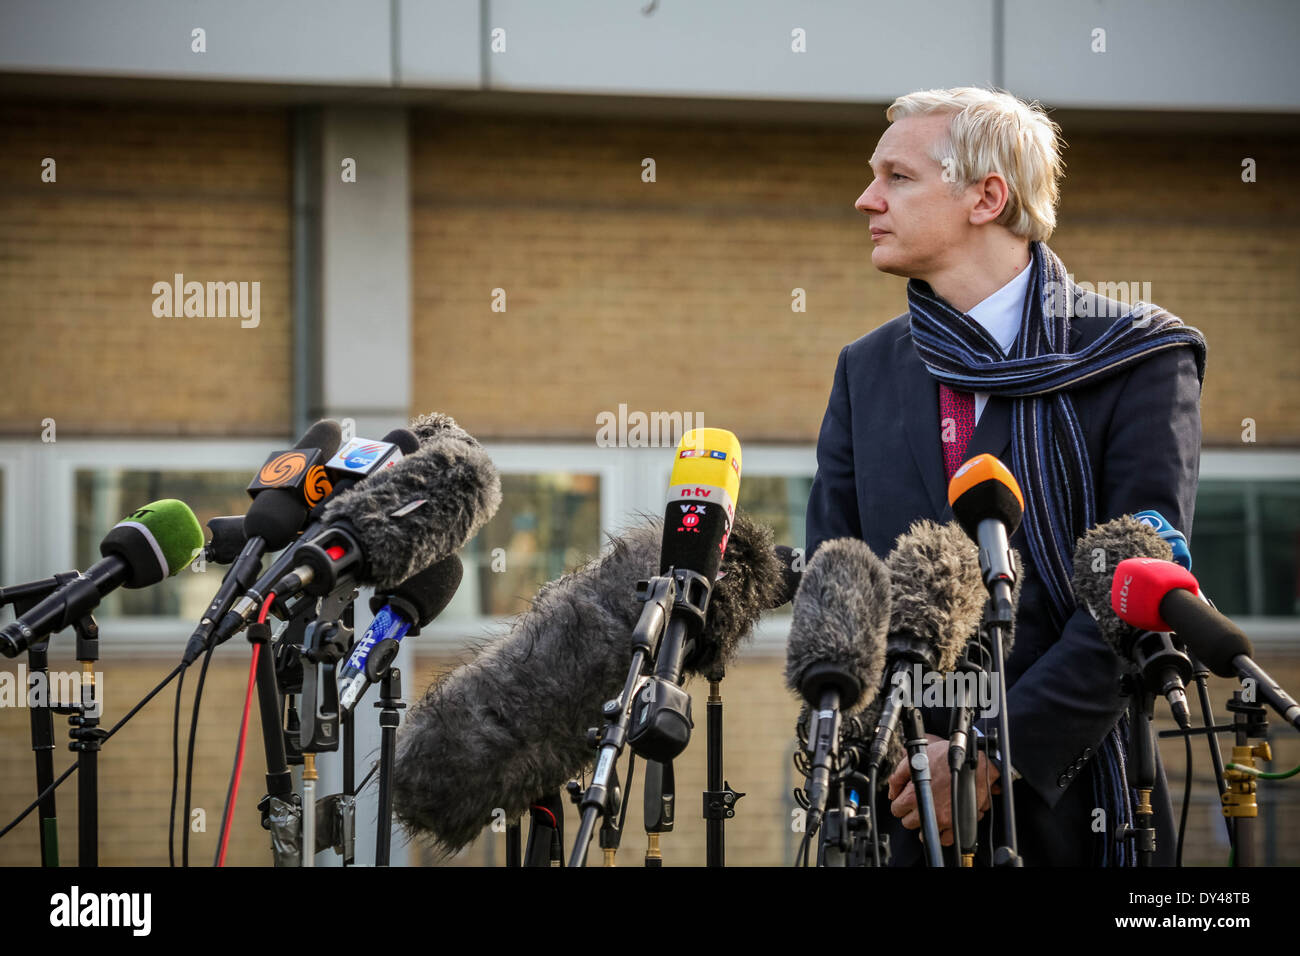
[(988, 504)]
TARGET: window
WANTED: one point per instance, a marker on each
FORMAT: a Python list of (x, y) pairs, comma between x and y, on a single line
[(548, 523), (1246, 546), (105, 496)]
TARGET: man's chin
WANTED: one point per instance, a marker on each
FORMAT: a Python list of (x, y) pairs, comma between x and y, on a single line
[(887, 261)]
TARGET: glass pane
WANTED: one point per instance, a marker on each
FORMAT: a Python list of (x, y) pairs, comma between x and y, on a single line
[(1219, 545), (105, 497), (781, 503), (1279, 539), (548, 523)]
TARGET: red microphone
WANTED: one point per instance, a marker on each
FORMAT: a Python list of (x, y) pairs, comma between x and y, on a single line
[(1161, 595), (1141, 584)]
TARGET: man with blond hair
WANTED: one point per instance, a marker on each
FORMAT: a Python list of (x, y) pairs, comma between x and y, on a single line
[(1093, 404)]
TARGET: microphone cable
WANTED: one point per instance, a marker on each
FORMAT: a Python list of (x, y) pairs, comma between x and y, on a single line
[(176, 740), (232, 792), (189, 753)]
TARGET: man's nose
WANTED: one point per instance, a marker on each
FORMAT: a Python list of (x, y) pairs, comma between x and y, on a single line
[(869, 201)]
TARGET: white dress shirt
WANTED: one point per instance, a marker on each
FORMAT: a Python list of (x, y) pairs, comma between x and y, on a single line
[(999, 314)]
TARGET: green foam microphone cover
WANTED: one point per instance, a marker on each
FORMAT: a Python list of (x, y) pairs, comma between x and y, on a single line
[(156, 541)]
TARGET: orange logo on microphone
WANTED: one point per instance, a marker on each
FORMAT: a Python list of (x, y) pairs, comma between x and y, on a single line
[(317, 485), (282, 469)]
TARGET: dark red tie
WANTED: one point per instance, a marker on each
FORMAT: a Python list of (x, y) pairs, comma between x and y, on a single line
[(956, 425)]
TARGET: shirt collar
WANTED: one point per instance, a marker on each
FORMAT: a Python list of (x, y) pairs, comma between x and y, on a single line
[(999, 314)]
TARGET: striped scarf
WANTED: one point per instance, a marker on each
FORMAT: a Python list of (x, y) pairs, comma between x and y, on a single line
[(1049, 456)]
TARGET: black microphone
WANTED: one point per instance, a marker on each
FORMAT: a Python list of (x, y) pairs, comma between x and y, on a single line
[(399, 612), (385, 529), (513, 722), (936, 599), (836, 649), (228, 539), (142, 549), (1163, 666), (284, 488), (1161, 595)]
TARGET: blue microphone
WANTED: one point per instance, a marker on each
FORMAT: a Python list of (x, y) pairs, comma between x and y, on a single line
[(1156, 522), (398, 612)]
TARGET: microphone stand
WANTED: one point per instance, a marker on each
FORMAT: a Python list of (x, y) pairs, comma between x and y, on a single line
[(998, 616), (24, 597), (1141, 769), (545, 832), (1249, 720), (912, 727), (658, 800), (963, 755), (603, 797), (719, 799)]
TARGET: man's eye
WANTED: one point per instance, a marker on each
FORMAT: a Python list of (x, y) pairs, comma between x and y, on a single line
[(897, 176)]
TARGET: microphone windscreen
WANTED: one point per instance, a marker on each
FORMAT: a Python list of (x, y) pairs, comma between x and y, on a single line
[(437, 425), (512, 723), (984, 488), (427, 593), (937, 592), (155, 542), (790, 578), (325, 435), (276, 515), (405, 439), (1140, 584), (421, 509), (841, 618), (1096, 556)]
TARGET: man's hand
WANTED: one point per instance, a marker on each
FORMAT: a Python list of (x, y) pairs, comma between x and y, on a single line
[(903, 793)]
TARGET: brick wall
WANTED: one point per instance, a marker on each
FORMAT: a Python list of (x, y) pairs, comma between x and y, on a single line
[(677, 294), (142, 193)]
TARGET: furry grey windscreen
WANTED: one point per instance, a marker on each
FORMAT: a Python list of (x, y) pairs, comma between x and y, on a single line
[(1096, 556), (841, 617), (510, 725), (437, 425), (937, 591), (461, 491)]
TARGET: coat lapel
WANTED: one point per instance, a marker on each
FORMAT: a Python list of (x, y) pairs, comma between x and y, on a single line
[(919, 398)]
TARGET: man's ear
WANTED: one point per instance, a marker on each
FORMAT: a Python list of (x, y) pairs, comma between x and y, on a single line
[(991, 195)]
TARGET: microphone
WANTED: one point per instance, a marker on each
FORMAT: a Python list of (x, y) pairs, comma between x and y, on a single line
[(1160, 595), (702, 492), (936, 600), (987, 503), (143, 548), (836, 649), (228, 539), (512, 723), (1163, 665), (283, 489), (437, 425), (399, 612), (1172, 536), (789, 576), (386, 528)]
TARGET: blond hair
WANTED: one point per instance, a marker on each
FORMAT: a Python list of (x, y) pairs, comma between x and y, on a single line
[(994, 132)]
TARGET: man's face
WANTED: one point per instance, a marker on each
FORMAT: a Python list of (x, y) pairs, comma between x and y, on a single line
[(918, 225)]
